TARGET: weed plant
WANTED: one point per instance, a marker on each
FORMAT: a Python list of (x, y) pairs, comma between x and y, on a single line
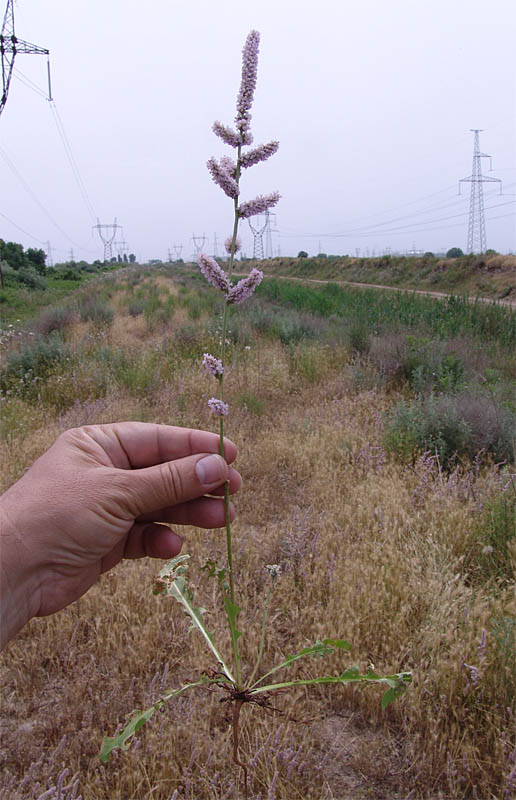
[(393, 548), (240, 683)]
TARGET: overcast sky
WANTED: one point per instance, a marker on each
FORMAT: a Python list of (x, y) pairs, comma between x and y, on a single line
[(372, 102)]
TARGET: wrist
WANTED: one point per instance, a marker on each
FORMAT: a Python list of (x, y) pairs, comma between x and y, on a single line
[(18, 580)]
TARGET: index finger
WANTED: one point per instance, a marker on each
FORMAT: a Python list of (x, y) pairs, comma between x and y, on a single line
[(133, 445)]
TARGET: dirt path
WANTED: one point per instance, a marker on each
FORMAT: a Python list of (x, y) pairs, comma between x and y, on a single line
[(507, 302)]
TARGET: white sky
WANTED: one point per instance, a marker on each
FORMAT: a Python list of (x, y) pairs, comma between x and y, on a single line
[(372, 102)]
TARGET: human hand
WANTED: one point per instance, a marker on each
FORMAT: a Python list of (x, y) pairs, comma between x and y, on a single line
[(97, 496)]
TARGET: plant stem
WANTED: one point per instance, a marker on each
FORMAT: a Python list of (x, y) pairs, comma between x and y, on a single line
[(234, 638)]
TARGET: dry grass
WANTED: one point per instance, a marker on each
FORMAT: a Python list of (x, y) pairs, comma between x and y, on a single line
[(373, 551)]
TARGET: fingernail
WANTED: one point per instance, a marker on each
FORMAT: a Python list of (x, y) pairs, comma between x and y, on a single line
[(211, 470)]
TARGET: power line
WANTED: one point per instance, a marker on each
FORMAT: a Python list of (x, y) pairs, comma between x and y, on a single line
[(30, 192), (31, 235), (371, 232), (71, 159)]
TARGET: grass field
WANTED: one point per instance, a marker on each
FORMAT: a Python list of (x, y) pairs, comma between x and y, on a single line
[(474, 275), (376, 443)]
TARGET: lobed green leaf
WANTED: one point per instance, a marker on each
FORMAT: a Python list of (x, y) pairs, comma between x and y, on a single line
[(321, 648), (172, 581), (139, 718)]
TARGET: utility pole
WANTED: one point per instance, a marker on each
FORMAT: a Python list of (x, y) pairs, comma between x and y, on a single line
[(215, 246), (107, 238), (10, 46), (476, 223), (71, 254)]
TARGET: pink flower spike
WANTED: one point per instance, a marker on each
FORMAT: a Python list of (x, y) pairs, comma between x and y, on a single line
[(228, 243), (213, 273), (247, 86), (258, 205), (218, 407), (261, 153), (212, 365), (245, 288), (223, 174), (228, 135)]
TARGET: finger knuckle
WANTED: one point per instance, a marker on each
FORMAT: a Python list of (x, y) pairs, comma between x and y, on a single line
[(172, 481)]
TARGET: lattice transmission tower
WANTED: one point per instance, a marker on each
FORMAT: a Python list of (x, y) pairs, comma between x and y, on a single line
[(10, 47), (261, 228), (477, 223), (178, 249), (107, 238), (198, 243)]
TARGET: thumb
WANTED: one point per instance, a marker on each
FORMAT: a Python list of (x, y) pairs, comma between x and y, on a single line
[(149, 489)]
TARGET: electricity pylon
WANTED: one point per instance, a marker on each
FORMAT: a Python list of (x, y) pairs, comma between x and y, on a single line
[(271, 217), (10, 46), (109, 238), (477, 223), (258, 230), (198, 243), (178, 249)]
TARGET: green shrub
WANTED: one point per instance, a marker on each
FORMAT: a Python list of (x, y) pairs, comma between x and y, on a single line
[(430, 425), (428, 367), (460, 425), (135, 308), (93, 309), (30, 278), (359, 338), (32, 363), (57, 319)]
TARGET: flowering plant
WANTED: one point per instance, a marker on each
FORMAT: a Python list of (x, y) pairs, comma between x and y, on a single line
[(172, 579)]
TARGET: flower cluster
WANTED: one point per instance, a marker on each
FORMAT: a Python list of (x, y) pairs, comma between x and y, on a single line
[(223, 173), (218, 407), (213, 273), (258, 205), (274, 570), (261, 153), (228, 244), (226, 174), (235, 293), (245, 287), (212, 365)]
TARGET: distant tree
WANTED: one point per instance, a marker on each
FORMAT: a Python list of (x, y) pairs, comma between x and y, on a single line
[(36, 258), (12, 252), (119, 258), (454, 252), (428, 254), (125, 258), (322, 255), (132, 258), (491, 252), (113, 260), (302, 254)]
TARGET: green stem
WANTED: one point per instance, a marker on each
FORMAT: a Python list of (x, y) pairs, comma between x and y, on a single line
[(234, 638)]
